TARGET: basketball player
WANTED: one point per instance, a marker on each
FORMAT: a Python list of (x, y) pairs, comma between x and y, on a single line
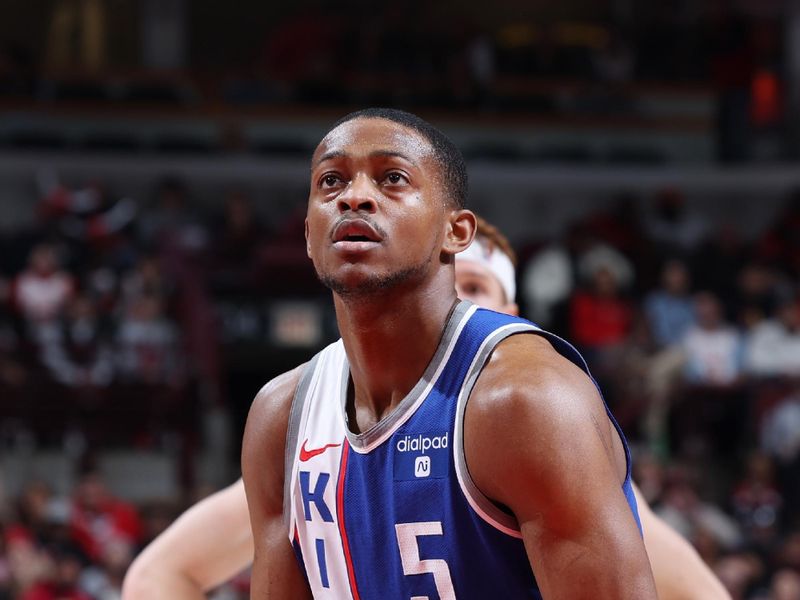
[(211, 541), (437, 449)]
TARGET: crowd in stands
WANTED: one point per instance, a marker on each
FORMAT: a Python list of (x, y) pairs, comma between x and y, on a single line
[(109, 339), (694, 336), (110, 335)]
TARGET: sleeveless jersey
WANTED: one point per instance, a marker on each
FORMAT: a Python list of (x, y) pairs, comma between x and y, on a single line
[(392, 512)]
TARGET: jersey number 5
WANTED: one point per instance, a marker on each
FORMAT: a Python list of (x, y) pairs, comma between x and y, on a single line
[(407, 534)]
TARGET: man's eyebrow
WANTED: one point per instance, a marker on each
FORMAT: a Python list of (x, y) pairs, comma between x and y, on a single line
[(377, 153), (329, 155), (393, 154)]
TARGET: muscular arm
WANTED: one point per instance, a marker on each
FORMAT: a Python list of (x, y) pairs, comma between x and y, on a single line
[(205, 547), (679, 572), (276, 573), (537, 439)]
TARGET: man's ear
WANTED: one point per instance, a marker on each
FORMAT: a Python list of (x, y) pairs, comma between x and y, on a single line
[(461, 227), (308, 245)]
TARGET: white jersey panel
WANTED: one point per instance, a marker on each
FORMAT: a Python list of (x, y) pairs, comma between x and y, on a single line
[(315, 517)]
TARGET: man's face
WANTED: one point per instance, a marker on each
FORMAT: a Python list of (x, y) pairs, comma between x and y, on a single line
[(476, 283), (376, 210)]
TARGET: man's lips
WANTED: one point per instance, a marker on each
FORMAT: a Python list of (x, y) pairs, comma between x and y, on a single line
[(355, 230)]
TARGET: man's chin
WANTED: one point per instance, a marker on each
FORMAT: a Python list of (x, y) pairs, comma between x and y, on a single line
[(356, 285)]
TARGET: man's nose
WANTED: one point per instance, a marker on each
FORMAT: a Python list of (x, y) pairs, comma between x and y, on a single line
[(359, 195)]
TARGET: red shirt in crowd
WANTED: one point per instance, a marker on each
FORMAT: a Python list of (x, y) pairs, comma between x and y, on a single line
[(597, 321)]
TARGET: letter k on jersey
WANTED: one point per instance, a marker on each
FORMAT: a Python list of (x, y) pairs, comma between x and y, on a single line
[(309, 454)]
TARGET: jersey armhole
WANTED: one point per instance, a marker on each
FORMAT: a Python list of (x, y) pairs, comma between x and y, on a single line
[(292, 434), (484, 507)]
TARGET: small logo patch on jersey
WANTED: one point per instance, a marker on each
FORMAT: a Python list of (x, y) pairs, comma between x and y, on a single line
[(309, 454), (422, 466), (421, 456)]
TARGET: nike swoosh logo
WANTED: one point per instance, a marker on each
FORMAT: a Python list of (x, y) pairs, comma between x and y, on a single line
[(308, 454)]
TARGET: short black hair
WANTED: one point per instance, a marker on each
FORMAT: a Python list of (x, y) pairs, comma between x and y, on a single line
[(451, 161)]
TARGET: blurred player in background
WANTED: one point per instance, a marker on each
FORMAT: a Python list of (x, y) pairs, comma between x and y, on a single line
[(212, 541)]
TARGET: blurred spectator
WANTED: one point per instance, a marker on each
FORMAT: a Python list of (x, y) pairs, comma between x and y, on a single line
[(669, 309), (103, 581), (93, 221), (78, 352), (146, 280), (780, 429), (61, 583), (235, 246), (170, 228), (683, 509), (717, 263), (780, 245), (713, 348), (99, 520), (147, 344), (28, 533), (773, 346), (620, 227), (758, 292), (43, 289), (599, 316), (780, 438), (711, 412), (757, 503), (602, 256), (32, 511), (28, 563), (672, 226), (547, 282), (181, 242), (649, 374)]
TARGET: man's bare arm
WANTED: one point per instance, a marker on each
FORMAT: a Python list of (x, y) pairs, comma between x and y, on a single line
[(679, 571), (538, 440), (207, 545), (276, 573)]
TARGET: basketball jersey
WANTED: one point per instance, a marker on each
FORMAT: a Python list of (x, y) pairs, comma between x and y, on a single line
[(392, 512)]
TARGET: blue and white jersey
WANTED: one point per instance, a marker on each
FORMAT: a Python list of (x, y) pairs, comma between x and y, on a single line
[(392, 512)]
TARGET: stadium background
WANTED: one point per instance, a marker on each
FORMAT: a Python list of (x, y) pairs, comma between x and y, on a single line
[(640, 156)]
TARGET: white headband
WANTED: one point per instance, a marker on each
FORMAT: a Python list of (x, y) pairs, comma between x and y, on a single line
[(496, 261)]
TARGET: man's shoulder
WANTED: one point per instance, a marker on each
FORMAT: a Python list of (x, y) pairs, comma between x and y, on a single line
[(525, 369), (269, 412), (264, 442), (275, 397)]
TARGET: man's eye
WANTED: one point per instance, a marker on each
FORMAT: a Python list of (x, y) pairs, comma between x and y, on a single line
[(395, 178), (330, 180)]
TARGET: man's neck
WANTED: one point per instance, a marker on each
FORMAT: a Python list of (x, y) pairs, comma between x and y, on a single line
[(389, 340)]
